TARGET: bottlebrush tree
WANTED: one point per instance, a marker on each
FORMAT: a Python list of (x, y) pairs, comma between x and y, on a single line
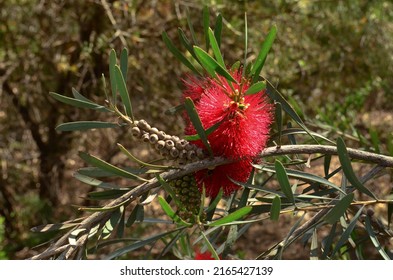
[(236, 165)]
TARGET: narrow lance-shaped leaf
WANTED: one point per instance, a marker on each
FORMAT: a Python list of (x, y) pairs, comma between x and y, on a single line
[(125, 97), (375, 240), (344, 237), (170, 212), (78, 103), (109, 167), (339, 209), (186, 43), (314, 245), (390, 208), (79, 96), (245, 45), (112, 64), (208, 131), (85, 125), (283, 180), (255, 88), (218, 29), (234, 216), (196, 121), (275, 208), (276, 95), (191, 27), (278, 117), (171, 47), (212, 66), (215, 48), (348, 171), (124, 62), (260, 61)]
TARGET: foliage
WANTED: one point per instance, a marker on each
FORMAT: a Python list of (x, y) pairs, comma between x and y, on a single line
[(325, 51), (217, 222)]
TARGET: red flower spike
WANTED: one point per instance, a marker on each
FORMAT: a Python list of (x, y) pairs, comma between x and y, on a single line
[(243, 131), (203, 256), (215, 179)]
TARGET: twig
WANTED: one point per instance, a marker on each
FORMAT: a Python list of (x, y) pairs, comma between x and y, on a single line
[(97, 217)]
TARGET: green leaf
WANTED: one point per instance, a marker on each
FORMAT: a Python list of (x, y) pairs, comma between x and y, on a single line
[(196, 122), (245, 46), (344, 237), (283, 180), (171, 47), (390, 209), (275, 208), (278, 118), (235, 66), (208, 131), (85, 125), (212, 66), (260, 61), (348, 171), (206, 24), (218, 29), (234, 216), (191, 27), (328, 241), (136, 215), (170, 212), (314, 245), (174, 110), (97, 172), (186, 43), (109, 167), (215, 48), (112, 78), (339, 209), (104, 195), (139, 244), (96, 183), (374, 239), (326, 164), (124, 63), (168, 189), (276, 95), (125, 97), (79, 96), (305, 176), (78, 103), (255, 88), (111, 223), (54, 227)]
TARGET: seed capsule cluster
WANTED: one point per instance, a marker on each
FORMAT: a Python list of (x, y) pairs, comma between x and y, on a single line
[(171, 147), (188, 194)]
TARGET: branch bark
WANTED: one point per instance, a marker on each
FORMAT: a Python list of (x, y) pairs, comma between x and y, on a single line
[(99, 217)]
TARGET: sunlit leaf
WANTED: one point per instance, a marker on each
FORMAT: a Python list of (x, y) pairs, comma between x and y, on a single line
[(314, 245), (170, 212), (85, 125), (125, 97), (109, 167), (348, 171), (339, 209), (260, 61), (79, 96), (206, 24), (210, 247), (53, 227), (234, 216), (255, 88), (275, 208), (211, 65), (95, 182), (283, 180)]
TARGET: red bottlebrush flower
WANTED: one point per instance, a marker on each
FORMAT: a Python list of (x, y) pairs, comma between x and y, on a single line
[(203, 256), (217, 178), (243, 131)]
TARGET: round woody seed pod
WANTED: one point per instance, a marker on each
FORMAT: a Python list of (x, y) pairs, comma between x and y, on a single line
[(180, 144), (135, 123), (164, 152), (145, 137), (154, 130), (174, 152), (160, 145), (162, 135), (175, 138), (169, 144), (136, 132), (191, 155), (142, 124), (153, 138), (183, 154)]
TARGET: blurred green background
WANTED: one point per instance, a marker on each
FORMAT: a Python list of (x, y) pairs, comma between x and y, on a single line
[(332, 59)]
